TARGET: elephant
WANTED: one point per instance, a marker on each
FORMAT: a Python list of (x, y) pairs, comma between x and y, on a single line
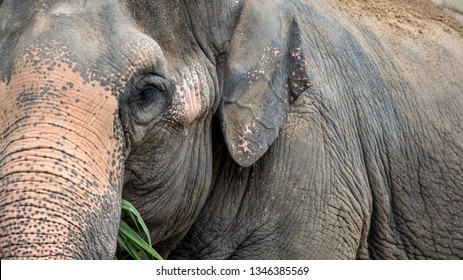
[(239, 129)]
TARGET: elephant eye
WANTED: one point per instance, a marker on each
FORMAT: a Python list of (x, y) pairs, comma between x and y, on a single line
[(149, 86), (148, 95), (149, 98)]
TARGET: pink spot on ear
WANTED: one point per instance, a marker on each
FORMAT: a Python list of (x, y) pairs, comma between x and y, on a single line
[(296, 53), (245, 145), (244, 142), (247, 130)]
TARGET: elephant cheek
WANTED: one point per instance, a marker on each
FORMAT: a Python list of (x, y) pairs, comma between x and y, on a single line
[(60, 169)]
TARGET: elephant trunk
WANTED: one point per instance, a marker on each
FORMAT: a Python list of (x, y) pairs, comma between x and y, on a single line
[(60, 168), (52, 207)]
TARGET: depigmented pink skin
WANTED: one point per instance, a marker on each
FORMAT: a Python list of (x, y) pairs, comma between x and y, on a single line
[(58, 150), (191, 98)]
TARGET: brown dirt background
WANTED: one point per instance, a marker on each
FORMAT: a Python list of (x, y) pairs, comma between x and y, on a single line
[(405, 16)]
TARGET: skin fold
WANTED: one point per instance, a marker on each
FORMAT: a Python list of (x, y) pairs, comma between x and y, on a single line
[(240, 129)]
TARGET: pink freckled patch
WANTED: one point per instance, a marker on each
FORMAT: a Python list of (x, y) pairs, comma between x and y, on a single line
[(191, 99), (245, 145), (244, 142), (245, 148), (247, 130), (193, 105)]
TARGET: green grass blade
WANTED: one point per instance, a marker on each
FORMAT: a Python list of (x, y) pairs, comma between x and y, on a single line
[(129, 210), (133, 219), (130, 234), (130, 240), (136, 218), (122, 241)]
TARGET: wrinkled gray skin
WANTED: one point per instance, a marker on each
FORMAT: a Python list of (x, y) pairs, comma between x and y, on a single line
[(239, 129)]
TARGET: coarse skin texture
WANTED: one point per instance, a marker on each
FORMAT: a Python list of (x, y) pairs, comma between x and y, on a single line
[(240, 129)]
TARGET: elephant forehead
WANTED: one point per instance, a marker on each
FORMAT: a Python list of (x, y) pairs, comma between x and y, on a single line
[(47, 71), (54, 56)]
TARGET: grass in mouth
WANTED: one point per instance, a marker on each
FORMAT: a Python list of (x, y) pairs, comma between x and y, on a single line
[(130, 239)]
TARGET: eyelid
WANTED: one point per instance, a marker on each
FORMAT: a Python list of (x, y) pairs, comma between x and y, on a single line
[(151, 81)]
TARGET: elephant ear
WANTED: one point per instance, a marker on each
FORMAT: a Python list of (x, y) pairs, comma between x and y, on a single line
[(265, 73)]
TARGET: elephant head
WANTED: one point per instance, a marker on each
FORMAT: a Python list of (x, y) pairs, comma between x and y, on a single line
[(103, 99)]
